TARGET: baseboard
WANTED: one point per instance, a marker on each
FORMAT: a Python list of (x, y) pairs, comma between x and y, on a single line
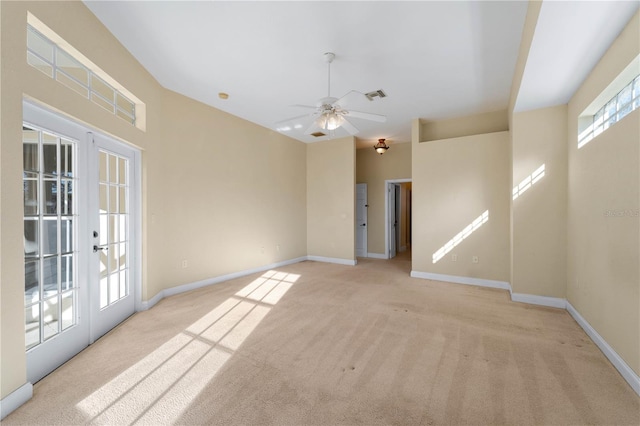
[(532, 299), (15, 399), (148, 304), (627, 372), (332, 260), (555, 302), (376, 256), (461, 280), (215, 280)]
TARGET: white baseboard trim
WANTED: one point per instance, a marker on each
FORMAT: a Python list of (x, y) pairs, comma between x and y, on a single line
[(215, 280), (623, 368), (15, 399), (376, 256), (461, 280), (332, 260), (555, 302), (532, 299)]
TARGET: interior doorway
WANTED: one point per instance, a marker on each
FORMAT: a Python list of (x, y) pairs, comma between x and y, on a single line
[(397, 216), (361, 220)]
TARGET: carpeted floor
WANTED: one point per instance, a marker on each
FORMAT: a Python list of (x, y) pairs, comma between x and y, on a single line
[(323, 344)]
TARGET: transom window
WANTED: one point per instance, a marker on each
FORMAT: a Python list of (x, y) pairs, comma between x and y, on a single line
[(44, 55), (613, 111)]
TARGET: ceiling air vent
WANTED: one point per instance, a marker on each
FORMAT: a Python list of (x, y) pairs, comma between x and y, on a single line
[(318, 134), (376, 94)]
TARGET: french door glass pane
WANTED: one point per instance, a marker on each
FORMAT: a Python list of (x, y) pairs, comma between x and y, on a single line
[(49, 232), (32, 316), (68, 308), (30, 196)]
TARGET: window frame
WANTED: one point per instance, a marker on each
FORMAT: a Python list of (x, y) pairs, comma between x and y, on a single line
[(611, 112), (91, 94)]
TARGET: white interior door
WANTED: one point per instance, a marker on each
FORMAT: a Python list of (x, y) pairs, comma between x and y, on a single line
[(113, 215), (393, 223), (361, 220)]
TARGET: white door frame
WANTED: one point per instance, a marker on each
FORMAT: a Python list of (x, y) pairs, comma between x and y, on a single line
[(36, 113), (387, 184)]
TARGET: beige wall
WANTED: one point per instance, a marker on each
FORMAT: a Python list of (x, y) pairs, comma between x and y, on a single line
[(490, 122), (539, 214), (219, 192), (373, 169), (331, 199), (603, 224), (528, 31), (231, 198), (454, 182)]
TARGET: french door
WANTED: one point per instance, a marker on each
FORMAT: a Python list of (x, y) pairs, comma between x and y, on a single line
[(111, 205), (80, 213)]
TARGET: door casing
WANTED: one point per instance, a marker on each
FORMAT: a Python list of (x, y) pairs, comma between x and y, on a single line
[(389, 184), (60, 348)]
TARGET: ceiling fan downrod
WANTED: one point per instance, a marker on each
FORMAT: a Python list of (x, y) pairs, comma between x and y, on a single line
[(329, 57)]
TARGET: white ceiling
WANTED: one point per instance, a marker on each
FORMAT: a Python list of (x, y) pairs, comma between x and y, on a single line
[(434, 59), (569, 40)]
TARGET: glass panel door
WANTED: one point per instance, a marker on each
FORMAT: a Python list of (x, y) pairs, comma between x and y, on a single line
[(112, 237), (80, 267), (50, 251), (55, 256)]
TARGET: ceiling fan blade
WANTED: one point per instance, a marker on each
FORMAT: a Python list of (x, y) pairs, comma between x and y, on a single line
[(343, 100), (311, 128), (305, 106), (366, 116), (294, 118), (349, 127)]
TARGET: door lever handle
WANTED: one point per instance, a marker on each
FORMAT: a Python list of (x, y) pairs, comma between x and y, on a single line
[(96, 248), (364, 224)]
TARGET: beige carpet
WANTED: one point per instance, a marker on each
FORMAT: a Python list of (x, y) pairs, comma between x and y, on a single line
[(323, 344)]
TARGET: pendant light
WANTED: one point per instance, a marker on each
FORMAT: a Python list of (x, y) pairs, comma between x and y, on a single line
[(381, 147)]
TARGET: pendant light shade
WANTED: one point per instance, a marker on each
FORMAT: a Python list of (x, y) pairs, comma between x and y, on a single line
[(381, 147), (329, 121)]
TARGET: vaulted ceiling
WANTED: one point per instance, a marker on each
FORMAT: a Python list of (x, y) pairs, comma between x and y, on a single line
[(433, 59)]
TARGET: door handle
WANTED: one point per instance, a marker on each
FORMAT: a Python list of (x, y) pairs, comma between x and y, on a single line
[(96, 248), (364, 224)]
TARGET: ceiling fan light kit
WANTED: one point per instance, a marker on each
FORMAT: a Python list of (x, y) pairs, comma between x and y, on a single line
[(330, 113), (381, 147)]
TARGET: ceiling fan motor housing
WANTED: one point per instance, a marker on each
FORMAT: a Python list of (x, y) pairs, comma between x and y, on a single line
[(326, 102)]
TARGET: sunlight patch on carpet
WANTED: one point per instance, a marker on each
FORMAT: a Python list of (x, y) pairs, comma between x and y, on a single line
[(161, 386)]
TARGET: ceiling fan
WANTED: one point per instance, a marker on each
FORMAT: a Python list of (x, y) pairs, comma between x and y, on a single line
[(330, 113)]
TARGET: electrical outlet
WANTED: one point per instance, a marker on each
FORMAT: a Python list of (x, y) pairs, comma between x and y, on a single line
[(475, 259), (261, 250), (454, 257), (185, 263), (277, 247)]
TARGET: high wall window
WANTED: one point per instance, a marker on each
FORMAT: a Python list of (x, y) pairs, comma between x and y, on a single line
[(613, 111), (46, 56)]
